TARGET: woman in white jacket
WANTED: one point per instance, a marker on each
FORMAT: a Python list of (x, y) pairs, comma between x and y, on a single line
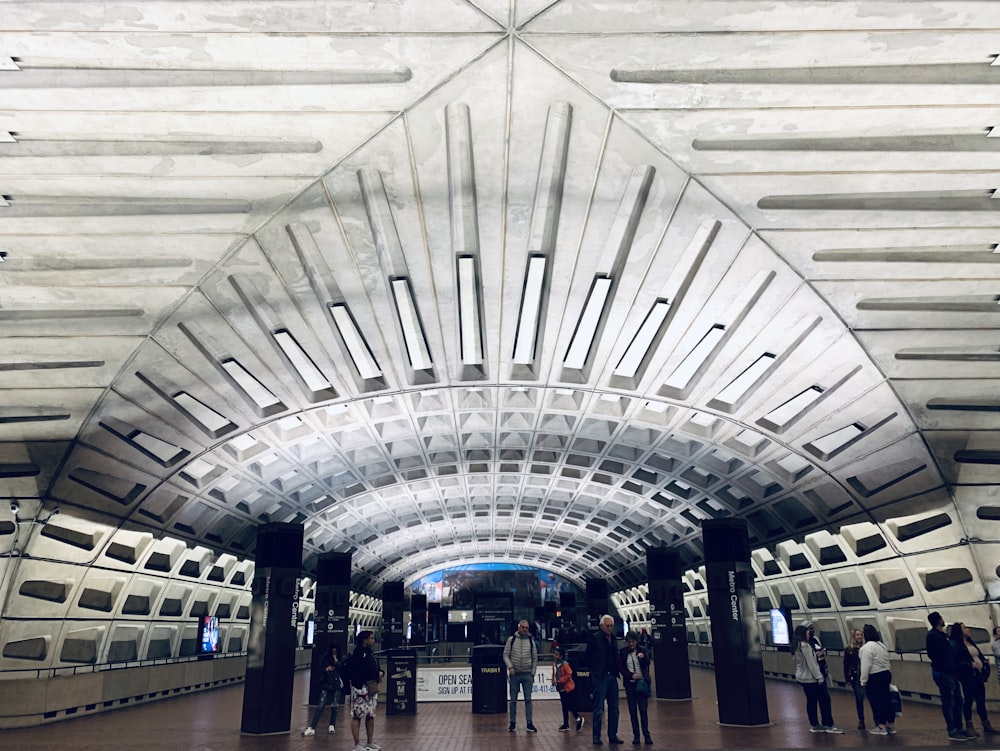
[(813, 682), (876, 677)]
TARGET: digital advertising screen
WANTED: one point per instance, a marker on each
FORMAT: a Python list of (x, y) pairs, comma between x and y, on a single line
[(310, 635), (781, 628), (209, 635)]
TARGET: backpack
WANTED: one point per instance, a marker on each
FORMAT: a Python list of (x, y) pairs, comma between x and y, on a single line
[(509, 646)]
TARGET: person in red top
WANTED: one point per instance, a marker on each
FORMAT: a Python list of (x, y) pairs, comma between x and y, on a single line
[(562, 679)]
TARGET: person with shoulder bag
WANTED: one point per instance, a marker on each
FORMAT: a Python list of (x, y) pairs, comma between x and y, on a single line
[(365, 675), (876, 677), (562, 679), (973, 672), (331, 686), (852, 673), (633, 664)]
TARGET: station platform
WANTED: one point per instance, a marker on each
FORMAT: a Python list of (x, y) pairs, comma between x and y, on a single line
[(210, 721)]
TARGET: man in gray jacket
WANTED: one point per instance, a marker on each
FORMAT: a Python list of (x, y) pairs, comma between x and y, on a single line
[(521, 659)]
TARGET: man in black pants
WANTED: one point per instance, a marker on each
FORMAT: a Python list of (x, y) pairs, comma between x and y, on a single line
[(602, 657), (944, 671)]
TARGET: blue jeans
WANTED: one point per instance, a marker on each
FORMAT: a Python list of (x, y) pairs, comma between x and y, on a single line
[(517, 682), (859, 695), (605, 690), (329, 697), (951, 700)]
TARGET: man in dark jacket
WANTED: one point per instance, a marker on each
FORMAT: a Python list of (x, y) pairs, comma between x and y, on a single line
[(365, 675), (602, 657), (944, 671)]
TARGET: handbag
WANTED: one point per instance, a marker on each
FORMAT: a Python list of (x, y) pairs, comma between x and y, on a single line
[(895, 700), (642, 687)]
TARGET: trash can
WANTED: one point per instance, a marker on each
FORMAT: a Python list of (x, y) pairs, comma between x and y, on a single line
[(489, 680), (576, 656)]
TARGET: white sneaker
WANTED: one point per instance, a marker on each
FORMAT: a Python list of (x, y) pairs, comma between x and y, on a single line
[(332, 730), (359, 747), (372, 746), (308, 731)]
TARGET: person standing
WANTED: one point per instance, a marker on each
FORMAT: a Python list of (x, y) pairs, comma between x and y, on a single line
[(331, 687), (818, 650), (646, 642), (876, 677), (633, 664), (852, 673), (365, 674), (602, 657), (973, 672), (813, 682), (995, 646), (944, 671), (521, 658), (562, 679)]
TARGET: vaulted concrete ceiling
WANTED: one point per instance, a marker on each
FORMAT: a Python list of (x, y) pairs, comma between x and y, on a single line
[(547, 281)]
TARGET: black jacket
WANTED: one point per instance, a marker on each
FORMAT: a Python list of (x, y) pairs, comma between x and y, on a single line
[(602, 656), (363, 666), (330, 680), (941, 654)]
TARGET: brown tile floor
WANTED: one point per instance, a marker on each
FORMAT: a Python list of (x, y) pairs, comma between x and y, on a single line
[(210, 721)]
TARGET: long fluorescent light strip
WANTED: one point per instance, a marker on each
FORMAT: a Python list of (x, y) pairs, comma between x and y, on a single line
[(684, 372), (356, 345), (468, 312), (586, 329), (413, 335), (643, 339), (311, 375), (831, 442), (253, 388), (201, 412), (733, 392), (781, 414), (531, 305)]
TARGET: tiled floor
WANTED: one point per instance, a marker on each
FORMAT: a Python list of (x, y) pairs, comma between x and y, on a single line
[(210, 721)]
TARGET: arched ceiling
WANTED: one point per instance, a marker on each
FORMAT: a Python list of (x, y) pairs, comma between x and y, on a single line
[(547, 282)]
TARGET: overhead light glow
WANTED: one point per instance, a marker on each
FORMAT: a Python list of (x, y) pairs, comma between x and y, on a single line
[(531, 305)]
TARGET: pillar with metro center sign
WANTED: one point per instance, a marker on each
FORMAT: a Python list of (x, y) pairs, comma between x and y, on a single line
[(739, 667), (274, 610)]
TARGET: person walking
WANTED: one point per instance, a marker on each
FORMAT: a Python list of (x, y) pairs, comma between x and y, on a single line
[(813, 682), (521, 658), (365, 674), (331, 687), (876, 677), (562, 679), (602, 657), (944, 671), (852, 673), (633, 664), (973, 672)]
